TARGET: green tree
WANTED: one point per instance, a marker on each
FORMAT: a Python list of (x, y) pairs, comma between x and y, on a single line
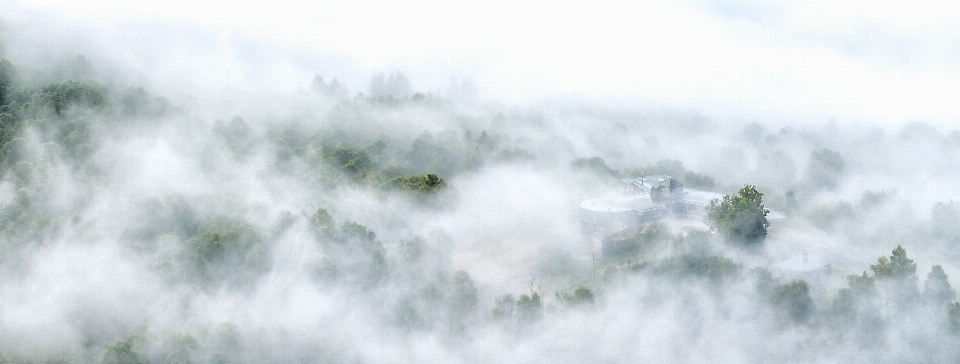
[(849, 299), (228, 250), (898, 266), (740, 218), (825, 169), (530, 307), (953, 317), (794, 299), (323, 224), (937, 287), (504, 307), (899, 276), (464, 293)]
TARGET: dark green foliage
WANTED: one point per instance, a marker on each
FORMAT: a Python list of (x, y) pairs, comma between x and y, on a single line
[(794, 299), (937, 288), (351, 159), (740, 218), (66, 94), (353, 231), (421, 185), (580, 296)]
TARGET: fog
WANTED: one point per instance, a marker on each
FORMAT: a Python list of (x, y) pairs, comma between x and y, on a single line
[(174, 189)]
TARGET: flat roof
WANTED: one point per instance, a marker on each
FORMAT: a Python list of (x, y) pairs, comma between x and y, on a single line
[(700, 196)]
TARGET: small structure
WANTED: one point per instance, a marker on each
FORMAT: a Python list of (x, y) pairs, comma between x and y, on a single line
[(615, 239), (644, 200)]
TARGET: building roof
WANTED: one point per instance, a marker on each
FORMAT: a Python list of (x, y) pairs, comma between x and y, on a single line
[(699, 196), (647, 182), (619, 204)]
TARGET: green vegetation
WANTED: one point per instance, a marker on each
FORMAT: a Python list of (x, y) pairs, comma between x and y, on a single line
[(228, 250), (897, 267), (529, 307), (422, 185), (741, 218), (580, 296), (123, 352), (713, 268), (937, 288), (825, 169), (794, 299)]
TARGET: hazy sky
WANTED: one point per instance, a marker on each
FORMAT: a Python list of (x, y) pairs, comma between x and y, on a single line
[(889, 62)]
